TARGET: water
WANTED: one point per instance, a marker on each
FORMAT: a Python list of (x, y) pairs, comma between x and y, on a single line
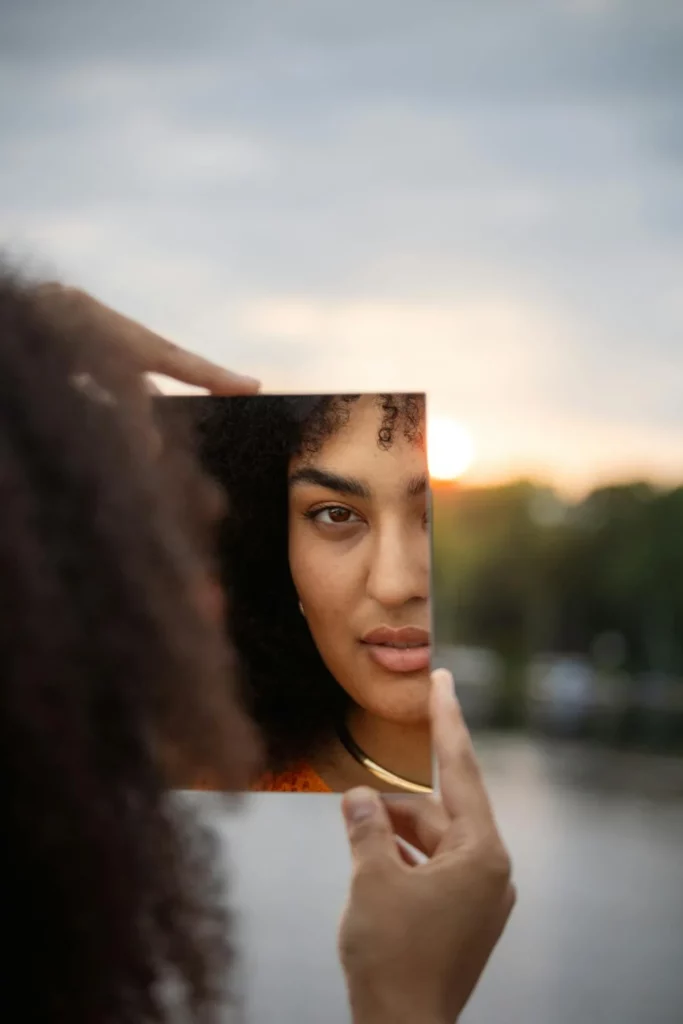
[(597, 936)]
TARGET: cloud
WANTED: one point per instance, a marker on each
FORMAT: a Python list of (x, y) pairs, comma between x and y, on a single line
[(484, 200), (466, 353)]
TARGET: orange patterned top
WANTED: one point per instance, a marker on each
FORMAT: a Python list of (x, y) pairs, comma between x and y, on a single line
[(300, 779)]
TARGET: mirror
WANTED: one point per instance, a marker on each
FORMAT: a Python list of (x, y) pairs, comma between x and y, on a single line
[(324, 555)]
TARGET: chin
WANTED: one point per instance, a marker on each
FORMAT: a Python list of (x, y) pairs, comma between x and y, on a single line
[(409, 716), (405, 702)]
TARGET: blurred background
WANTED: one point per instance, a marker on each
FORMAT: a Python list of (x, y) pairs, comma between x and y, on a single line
[(562, 617), (483, 200)]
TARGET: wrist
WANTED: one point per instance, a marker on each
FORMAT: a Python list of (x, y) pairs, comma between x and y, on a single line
[(391, 1007), (399, 1017)]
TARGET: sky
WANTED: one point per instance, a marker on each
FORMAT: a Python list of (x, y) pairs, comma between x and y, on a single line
[(483, 200)]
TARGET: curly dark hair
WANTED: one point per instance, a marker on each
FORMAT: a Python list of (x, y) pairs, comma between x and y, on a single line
[(246, 445), (109, 673)]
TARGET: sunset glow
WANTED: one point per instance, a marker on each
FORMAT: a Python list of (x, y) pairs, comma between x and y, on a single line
[(450, 449)]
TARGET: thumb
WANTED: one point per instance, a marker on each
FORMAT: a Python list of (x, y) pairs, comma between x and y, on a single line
[(368, 826)]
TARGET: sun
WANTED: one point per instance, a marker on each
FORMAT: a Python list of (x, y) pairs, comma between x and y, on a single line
[(450, 449)]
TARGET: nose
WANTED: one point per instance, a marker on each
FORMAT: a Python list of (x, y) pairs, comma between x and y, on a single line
[(399, 566)]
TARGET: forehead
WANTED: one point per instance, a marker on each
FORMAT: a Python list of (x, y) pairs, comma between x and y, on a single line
[(353, 449)]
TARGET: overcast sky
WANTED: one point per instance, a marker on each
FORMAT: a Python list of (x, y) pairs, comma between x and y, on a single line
[(481, 199)]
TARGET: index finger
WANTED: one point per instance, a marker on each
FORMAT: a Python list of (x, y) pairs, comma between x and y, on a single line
[(462, 788), (149, 352), (189, 368)]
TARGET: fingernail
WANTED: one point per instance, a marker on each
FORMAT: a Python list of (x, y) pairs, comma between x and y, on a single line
[(442, 679), (246, 379), (360, 804)]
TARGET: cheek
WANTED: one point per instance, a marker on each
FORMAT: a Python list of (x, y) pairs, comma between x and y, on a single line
[(324, 580)]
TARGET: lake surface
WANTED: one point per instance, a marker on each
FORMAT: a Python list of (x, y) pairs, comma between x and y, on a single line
[(597, 936)]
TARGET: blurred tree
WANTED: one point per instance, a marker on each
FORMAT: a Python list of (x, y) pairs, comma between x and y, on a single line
[(518, 571)]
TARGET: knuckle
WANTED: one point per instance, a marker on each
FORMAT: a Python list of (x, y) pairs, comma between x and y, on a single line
[(465, 754), (357, 942), (64, 292), (50, 291), (374, 870), (510, 898), (495, 861), (362, 831), (377, 880)]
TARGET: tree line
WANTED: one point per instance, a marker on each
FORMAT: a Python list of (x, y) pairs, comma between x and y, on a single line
[(520, 571)]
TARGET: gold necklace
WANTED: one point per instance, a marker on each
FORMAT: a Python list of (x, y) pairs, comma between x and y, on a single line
[(359, 755)]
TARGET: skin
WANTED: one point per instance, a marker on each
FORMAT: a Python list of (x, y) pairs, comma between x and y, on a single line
[(149, 353), (415, 937), (360, 559), (144, 350)]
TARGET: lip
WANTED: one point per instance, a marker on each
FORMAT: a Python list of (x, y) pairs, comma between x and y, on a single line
[(404, 635), (386, 647)]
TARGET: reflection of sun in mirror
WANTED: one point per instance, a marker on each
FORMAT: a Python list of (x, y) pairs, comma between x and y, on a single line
[(450, 449)]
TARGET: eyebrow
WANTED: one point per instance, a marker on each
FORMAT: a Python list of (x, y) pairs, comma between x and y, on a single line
[(417, 486), (332, 481)]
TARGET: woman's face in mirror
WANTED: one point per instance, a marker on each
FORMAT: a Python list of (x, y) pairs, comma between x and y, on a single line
[(360, 555)]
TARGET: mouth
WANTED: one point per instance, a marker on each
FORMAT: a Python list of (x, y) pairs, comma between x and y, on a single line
[(399, 650)]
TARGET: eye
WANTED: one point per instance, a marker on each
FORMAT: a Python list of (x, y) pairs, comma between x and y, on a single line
[(334, 515)]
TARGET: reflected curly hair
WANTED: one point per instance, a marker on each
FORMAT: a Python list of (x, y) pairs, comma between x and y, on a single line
[(109, 673), (246, 445)]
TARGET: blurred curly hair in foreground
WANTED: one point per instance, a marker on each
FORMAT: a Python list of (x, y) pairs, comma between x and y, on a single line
[(108, 662)]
